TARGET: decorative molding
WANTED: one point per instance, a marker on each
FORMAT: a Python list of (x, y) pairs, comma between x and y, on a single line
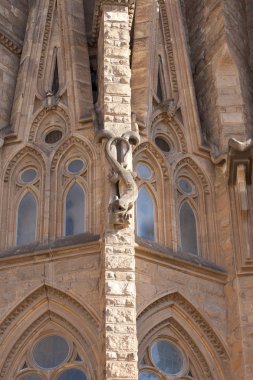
[(168, 44), (42, 114), (65, 145), (164, 116), (50, 316), (159, 156), (32, 299), (188, 161), (46, 37), (178, 300), (26, 150), (187, 338), (98, 12), (11, 45)]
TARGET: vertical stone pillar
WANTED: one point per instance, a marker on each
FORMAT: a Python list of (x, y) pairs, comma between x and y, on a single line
[(118, 291)]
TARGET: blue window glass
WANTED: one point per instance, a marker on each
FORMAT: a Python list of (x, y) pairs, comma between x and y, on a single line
[(148, 375), (50, 351), (72, 374), (75, 211), (167, 357), (145, 215), (188, 229), (27, 220), (30, 377)]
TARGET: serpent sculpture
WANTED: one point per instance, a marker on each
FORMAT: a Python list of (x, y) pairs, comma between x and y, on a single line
[(121, 176)]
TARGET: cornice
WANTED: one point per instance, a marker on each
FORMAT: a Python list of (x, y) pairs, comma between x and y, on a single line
[(98, 12), (186, 263), (10, 44)]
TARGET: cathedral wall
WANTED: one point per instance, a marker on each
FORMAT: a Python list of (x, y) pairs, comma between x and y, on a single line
[(74, 273), (205, 36), (154, 279), (13, 16)]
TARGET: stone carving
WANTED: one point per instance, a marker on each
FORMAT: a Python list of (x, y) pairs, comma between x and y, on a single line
[(189, 162), (117, 150), (18, 156), (46, 37), (47, 316), (97, 13), (172, 323), (166, 28), (10, 44), (240, 146), (180, 301), (42, 114)]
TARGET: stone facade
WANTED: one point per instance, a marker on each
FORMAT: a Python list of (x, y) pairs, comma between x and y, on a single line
[(99, 98)]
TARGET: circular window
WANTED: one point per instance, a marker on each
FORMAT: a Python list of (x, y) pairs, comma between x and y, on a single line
[(144, 171), (30, 377), (162, 144), (148, 375), (28, 175), (72, 374), (53, 136), (185, 186), (167, 357), (50, 351), (75, 166)]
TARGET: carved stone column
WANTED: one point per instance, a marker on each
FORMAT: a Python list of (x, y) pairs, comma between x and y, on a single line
[(118, 293)]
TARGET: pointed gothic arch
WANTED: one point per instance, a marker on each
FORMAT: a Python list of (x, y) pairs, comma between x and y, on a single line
[(174, 311), (71, 149), (48, 305), (25, 160)]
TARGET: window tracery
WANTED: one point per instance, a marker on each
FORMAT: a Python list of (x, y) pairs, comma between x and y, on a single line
[(52, 357), (164, 359)]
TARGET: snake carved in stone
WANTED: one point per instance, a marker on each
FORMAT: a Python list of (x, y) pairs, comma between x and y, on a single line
[(122, 177)]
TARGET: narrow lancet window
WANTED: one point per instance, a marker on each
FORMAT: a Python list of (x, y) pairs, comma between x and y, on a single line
[(55, 83), (27, 220), (188, 229), (145, 215), (75, 211)]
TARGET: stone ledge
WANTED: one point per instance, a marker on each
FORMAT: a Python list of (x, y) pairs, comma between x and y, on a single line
[(36, 248), (178, 260)]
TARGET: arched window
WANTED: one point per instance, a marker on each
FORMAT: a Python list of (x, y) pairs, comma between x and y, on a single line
[(75, 211), (27, 220), (188, 229), (145, 215), (51, 357)]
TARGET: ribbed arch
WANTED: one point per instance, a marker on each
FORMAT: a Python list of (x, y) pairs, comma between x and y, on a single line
[(27, 219), (174, 316), (46, 311)]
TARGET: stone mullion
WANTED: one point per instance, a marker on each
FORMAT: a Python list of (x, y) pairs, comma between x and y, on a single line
[(118, 256)]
